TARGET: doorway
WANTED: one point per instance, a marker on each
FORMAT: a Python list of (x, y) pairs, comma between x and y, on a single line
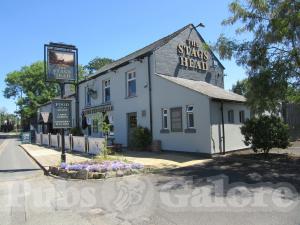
[(131, 125)]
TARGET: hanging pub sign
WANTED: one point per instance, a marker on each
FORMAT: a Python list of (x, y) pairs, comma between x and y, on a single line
[(60, 63), (62, 113)]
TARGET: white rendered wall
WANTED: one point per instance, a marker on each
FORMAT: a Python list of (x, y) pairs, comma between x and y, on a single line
[(168, 95), (121, 104), (233, 137)]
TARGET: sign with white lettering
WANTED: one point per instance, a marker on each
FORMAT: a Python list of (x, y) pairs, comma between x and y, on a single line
[(191, 56), (62, 113), (60, 63)]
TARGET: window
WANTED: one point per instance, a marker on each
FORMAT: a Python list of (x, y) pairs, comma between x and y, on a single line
[(87, 97), (242, 116), (95, 126), (230, 116), (131, 84), (106, 91), (176, 119), (164, 119), (190, 116)]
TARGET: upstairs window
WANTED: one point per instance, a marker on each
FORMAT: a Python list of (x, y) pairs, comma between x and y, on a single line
[(87, 97), (131, 84), (230, 116), (164, 119), (190, 116), (106, 91), (242, 116)]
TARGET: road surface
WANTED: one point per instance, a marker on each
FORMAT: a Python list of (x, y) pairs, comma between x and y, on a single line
[(28, 197)]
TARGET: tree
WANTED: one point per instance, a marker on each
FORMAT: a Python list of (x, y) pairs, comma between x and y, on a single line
[(271, 51), (240, 87), (97, 63), (293, 94), (265, 132), (28, 86)]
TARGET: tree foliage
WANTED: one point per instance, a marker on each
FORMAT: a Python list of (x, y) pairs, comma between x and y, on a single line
[(240, 87), (29, 88), (265, 132), (97, 63), (271, 51)]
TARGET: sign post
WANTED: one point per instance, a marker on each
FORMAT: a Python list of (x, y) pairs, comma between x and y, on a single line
[(61, 66)]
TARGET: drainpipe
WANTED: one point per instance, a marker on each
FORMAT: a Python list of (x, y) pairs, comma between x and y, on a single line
[(223, 129), (150, 94), (77, 105)]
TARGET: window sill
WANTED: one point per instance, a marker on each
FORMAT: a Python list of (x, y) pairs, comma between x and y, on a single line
[(164, 131), (190, 130), (176, 131), (106, 103), (128, 97)]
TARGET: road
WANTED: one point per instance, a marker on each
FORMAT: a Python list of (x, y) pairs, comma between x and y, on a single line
[(179, 197), (14, 162)]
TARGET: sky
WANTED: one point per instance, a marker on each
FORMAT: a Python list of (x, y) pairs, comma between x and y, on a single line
[(110, 29)]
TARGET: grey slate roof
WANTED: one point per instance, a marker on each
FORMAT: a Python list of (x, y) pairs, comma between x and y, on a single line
[(205, 89), (139, 53)]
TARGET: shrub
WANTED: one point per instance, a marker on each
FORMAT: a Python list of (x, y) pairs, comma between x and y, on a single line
[(76, 131), (265, 132), (141, 137)]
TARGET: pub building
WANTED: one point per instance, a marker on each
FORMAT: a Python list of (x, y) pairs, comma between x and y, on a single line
[(174, 87)]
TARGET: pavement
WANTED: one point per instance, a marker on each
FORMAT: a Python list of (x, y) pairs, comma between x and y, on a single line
[(158, 160), (50, 157), (226, 190)]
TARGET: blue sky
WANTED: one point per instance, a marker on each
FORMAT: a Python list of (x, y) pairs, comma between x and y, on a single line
[(101, 28)]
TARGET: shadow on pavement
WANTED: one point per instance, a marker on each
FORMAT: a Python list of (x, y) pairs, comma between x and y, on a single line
[(249, 170)]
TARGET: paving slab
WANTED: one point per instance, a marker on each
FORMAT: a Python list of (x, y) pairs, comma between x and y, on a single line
[(50, 157)]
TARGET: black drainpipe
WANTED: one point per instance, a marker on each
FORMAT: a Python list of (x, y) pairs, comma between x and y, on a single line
[(150, 95), (223, 129)]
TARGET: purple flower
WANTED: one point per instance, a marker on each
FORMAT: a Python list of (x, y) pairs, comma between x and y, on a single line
[(136, 166), (63, 165), (102, 167), (75, 167)]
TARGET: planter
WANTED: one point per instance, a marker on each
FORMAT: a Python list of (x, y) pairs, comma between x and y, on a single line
[(156, 146)]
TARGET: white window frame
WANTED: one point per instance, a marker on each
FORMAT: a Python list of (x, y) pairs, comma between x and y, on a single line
[(106, 85), (87, 97), (190, 112), (130, 76), (165, 113)]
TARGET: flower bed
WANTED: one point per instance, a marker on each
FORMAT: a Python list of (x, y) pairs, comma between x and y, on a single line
[(94, 170)]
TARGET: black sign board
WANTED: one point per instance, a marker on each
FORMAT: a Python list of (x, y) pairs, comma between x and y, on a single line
[(61, 63), (62, 113)]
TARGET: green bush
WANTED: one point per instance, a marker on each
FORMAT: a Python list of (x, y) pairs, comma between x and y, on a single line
[(141, 137), (265, 132), (76, 131)]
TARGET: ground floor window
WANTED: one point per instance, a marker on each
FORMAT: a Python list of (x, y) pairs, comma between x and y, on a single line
[(95, 126), (164, 118), (190, 116), (242, 116), (230, 116), (176, 119)]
